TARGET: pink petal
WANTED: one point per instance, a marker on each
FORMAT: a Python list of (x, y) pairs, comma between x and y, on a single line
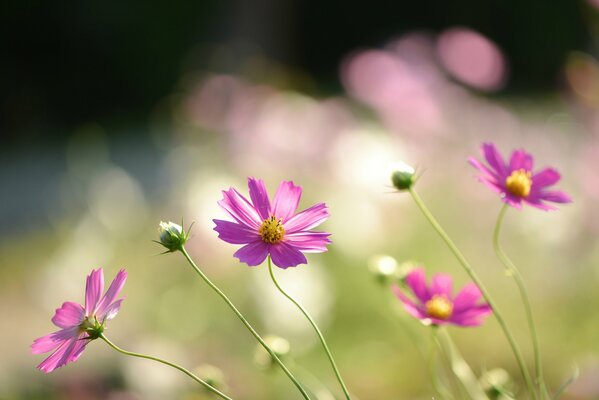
[(113, 291), (111, 311), (521, 160), (93, 290), (416, 280), (538, 203), (487, 174), (49, 342), (472, 317), (67, 352), (286, 200), (307, 219), (546, 177), (556, 197), (68, 315), (441, 285), (234, 233), (240, 209), (259, 197), (466, 298), (309, 242), (494, 158), (253, 254), (408, 304), (285, 255)]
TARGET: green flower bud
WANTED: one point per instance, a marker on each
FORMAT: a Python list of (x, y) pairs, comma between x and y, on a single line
[(402, 176), (277, 344), (212, 375), (92, 327), (384, 268), (172, 236)]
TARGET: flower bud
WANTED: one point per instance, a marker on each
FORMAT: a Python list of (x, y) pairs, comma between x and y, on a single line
[(277, 344), (383, 267), (172, 236), (496, 383), (212, 375), (402, 176)]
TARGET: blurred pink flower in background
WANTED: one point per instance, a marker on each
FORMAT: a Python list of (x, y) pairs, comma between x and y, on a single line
[(272, 229), (515, 181), (80, 325), (472, 58), (436, 304)]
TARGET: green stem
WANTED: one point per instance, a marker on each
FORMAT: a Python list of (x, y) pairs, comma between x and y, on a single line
[(438, 387), (470, 271), (180, 368), (313, 323), (515, 273), (246, 323)]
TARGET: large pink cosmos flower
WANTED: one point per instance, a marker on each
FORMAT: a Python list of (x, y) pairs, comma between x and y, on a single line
[(80, 325), (436, 305), (274, 229), (515, 180)]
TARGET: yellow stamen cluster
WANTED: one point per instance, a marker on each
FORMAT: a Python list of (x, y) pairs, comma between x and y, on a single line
[(272, 230), (439, 307), (519, 183)]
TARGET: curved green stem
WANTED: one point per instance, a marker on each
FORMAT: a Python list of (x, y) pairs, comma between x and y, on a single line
[(470, 271), (515, 273), (246, 323), (313, 323), (170, 364)]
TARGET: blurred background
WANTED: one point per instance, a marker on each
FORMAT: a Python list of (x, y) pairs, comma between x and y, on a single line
[(115, 116)]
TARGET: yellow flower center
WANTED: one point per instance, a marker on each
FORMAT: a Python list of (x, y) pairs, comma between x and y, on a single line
[(439, 307), (272, 230), (519, 183)]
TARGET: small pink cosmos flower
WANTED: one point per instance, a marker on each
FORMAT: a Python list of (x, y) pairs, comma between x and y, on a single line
[(274, 229), (436, 305), (80, 325), (515, 180)]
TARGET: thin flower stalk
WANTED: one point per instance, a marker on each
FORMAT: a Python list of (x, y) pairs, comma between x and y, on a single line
[(180, 368), (245, 322), (470, 271), (515, 273), (313, 323)]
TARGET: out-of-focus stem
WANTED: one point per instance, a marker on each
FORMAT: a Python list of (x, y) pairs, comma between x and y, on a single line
[(470, 271), (170, 364), (245, 322), (515, 273), (313, 323)]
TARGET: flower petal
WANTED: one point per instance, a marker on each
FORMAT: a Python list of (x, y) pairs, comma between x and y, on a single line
[(286, 200), (110, 311), (471, 317), (285, 255), (556, 197), (108, 300), (307, 219), (240, 209), (68, 315), (49, 342), (93, 290), (235, 233), (442, 284), (494, 158), (520, 159), (408, 304), (259, 197), (309, 242), (416, 280), (487, 174), (253, 254), (545, 177), (466, 298), (67, 352)]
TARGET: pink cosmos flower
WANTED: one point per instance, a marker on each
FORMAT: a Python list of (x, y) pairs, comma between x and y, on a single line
[(80, 325), (274, 229), (436, 305), (515, 180)]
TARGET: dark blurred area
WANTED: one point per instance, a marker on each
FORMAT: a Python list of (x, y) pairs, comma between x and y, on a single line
[(69, 63)]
